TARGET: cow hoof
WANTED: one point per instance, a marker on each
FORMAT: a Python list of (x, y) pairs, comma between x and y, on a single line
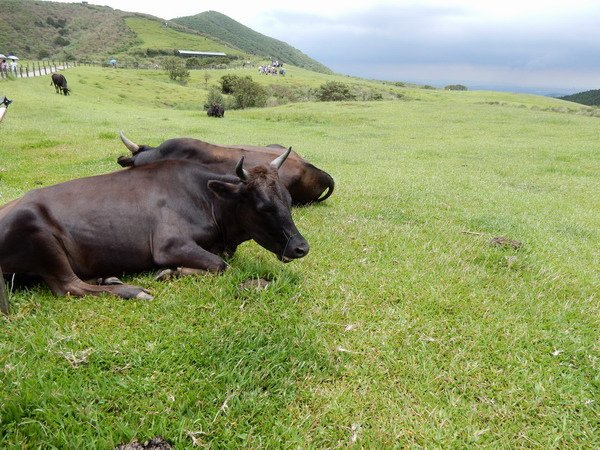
[(166, 274), (111, 281), (144, 295)]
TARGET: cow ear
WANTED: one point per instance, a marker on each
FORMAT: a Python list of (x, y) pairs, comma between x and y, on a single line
[(224, 190)]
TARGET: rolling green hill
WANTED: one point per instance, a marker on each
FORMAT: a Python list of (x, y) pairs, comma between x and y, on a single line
[(50, 30), (590, 98), (40, 30), (234, 33)]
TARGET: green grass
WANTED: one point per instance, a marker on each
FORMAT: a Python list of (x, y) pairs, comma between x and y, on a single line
[(403, 327), (153, 34)]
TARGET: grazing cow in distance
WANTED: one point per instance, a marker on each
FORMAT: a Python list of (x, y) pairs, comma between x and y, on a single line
[(171, 215), (60, 83), (216, 110), (305, 182)]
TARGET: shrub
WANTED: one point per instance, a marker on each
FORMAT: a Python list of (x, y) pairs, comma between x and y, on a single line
[(214, 97), (176, 69), (248, 93), (228, 82), (192, 63), (282, 94), (334, 91), (455, 87), (61, 41)]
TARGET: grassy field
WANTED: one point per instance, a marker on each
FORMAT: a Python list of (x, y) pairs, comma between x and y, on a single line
[(403, 327), (153, 34)]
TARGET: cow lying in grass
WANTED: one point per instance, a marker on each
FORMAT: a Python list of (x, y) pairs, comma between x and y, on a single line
[(171, 215)]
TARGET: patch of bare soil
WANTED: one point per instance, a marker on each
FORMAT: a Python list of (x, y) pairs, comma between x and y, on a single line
[(255, 284), (157, 443), (503, 241)]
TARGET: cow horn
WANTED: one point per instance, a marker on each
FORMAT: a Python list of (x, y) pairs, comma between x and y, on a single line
[(277, 162), (240, 171), (133, 147)]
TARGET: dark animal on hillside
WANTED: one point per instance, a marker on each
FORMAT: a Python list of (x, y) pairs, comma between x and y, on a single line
[(305, 182), (170, 215), (60, 83), (215, 110)]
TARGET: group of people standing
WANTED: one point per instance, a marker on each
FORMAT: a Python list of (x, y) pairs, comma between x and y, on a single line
[(5, 67), (275, 68)]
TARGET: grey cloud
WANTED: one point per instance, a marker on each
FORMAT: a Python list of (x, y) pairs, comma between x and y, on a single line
[(427, 35)]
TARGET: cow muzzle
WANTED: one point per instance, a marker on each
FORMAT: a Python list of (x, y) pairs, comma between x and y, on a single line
[(296, 248)]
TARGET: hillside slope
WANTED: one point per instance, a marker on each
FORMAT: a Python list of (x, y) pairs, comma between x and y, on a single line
[(237, 35), (590, 98), (38, 30)]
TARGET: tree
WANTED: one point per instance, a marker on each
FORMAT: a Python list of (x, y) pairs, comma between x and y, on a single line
[(176, 69), (455, 87)]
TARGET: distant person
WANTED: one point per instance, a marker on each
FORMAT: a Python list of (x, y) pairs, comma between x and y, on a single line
[(3, 107), (13, 67), (3, 68)]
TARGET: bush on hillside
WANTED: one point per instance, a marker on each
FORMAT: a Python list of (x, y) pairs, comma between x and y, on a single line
[(228, 83), (176, 69), (280, 95), (455, 87), (335, 91), (214, 97), (248, 94)]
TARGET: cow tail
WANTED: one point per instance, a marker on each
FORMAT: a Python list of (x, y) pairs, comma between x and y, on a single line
[(327, 181)]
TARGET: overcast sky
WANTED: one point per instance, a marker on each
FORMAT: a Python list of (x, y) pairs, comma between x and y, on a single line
[(542, 46)]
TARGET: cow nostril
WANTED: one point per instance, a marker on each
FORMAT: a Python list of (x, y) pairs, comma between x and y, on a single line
[(301, 250)]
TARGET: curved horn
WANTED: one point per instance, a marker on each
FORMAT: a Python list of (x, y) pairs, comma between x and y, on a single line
[(133, 147), (240, 171), (277, 162)]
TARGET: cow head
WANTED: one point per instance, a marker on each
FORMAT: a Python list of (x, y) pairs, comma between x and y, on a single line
[(66, 90), (263, 208)]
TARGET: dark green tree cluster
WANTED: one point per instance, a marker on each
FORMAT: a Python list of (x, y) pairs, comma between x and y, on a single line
[(589, 98), (455, 87)]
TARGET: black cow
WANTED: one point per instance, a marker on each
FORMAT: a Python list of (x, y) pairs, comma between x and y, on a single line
[(60, 83), (215, 110), (305, 182), (171, 215)]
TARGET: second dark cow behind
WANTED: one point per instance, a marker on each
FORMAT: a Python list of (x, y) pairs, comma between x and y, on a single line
[(305, 182)]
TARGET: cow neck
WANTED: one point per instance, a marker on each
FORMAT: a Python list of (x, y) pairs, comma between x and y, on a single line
[(224, 215)]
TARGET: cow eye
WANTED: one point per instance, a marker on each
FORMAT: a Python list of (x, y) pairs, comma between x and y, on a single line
[(265, 208)]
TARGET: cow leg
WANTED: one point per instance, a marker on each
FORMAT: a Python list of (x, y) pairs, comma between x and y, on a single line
[(167, 274), (176, 252), (78, 288), (34, 247)]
